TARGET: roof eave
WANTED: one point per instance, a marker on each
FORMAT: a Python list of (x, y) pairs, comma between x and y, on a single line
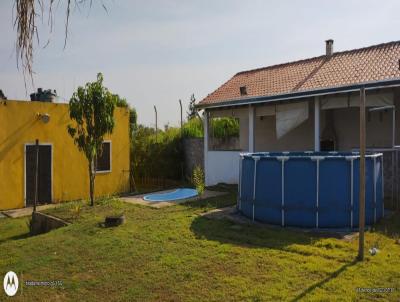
[(302, 94)]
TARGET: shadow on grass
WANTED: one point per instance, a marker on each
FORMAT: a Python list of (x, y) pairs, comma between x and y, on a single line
[(225, 231), (213, 202), (16, 237), (254, 236), (221, 201), (324, 281)]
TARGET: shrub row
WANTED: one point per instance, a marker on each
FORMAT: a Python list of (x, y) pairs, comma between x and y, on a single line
[(161, 154)]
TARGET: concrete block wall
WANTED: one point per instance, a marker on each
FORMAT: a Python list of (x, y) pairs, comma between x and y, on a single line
[(193, 149)]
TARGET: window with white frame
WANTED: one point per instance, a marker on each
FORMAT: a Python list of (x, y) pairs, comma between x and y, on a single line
[(104, 158)]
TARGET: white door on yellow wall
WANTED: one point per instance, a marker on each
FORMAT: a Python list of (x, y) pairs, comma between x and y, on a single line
[(44, 174)]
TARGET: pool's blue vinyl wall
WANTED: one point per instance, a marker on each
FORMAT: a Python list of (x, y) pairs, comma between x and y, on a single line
[(309, 189)]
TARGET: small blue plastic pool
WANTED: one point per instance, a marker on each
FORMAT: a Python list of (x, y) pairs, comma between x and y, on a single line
[(309, 189), (171, 196)]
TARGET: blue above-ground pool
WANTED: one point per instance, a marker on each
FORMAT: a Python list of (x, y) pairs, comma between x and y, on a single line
[(171, 196), (309, 189)]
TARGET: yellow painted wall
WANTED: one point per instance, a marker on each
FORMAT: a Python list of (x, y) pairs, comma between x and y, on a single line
[(19, 125)]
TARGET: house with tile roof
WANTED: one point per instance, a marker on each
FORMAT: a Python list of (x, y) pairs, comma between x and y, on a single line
[(311, 104)]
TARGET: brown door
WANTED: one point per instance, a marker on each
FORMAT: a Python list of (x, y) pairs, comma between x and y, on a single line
[(44, 175)]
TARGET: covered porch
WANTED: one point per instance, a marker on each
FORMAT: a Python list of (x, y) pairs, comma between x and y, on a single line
[(318, 121)]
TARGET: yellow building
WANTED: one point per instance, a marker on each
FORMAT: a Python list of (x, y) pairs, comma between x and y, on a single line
[(63, 170)]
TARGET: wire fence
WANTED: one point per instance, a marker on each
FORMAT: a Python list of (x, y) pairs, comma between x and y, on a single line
[(391, 176)]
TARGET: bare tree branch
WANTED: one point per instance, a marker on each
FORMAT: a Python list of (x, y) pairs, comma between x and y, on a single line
[(26, 14), (67, 22)]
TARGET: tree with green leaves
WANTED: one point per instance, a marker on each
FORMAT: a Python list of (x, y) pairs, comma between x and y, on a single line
[(192, 113), (92, 109)]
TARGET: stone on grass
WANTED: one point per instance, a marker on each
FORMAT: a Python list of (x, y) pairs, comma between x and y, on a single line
[(373, 251)]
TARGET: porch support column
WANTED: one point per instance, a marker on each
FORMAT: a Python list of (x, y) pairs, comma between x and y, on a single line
[(316, 124), (205, 121), (251, 128)]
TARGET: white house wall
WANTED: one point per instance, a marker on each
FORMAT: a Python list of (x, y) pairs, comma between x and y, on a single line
[(222, 166)]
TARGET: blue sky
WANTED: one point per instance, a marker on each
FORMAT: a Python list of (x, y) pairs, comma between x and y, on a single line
[(157, 52)]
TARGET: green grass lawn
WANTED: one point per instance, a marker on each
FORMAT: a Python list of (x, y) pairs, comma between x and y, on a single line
[(173, 254)]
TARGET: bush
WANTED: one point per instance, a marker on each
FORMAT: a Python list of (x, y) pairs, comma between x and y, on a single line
[(193, 128), (224, 127), (76, 210), (161, 155), (157, 156), (221, 127), (198, 180)]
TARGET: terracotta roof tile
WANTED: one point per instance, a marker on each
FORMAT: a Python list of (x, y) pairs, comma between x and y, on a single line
[(373, 63)]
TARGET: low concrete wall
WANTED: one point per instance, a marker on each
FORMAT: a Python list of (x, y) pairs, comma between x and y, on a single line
[(224, 144), (43, 223), (194, 154)]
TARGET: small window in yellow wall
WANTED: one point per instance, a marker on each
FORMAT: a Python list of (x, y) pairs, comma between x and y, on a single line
[(104, 158)]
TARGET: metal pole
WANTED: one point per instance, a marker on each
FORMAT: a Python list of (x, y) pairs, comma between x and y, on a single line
[(240, 182), (396, 172), (317, 205), (317, 135), (283, 194), (182, 162), (205, 127), (361, 220), (256, 159), (393, 174), (251, 128), (36, 174), (282, 159), (375, 181), (383, 188), (352, 194), (397, 178), (180, 104), (394, 127), (155, 110)]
